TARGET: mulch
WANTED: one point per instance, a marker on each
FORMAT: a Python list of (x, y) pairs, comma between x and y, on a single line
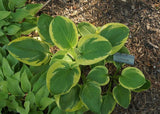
[(143, 19)]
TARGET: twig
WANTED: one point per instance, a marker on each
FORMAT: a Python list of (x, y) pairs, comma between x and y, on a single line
[(153, 45), (44, 5)]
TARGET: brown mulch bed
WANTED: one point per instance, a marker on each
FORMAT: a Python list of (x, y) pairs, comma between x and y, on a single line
[(143, 20)]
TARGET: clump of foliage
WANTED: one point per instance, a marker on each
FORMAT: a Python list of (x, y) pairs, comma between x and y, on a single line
[(73, 91), (20, 89), (16, 19)]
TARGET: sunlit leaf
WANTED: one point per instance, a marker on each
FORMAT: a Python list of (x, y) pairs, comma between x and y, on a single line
[(92, 49), (117, 35), (4, 14), (62, 76), (63, 33), (91, 96), (86, 28), (29, 51), (43, 27), (108, 104), (122, 96), (132, 78), (70, 101), (99, 74)]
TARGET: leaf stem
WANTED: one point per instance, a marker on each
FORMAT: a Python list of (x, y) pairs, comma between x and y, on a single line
[(109, 88)]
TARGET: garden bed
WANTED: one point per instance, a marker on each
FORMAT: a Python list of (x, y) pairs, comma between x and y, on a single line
[(143, 20)]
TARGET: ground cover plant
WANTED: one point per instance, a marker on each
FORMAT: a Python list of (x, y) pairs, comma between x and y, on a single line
[(21, 90), (73, 90), (17, 19)]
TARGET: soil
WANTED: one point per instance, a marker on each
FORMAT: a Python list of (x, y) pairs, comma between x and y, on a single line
[(143, 19)]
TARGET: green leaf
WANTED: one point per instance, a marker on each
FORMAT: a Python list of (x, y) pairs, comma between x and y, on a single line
[(25, 110), (99, 75), (25, 84), (92, 49), (31, 98), (4, 40), (12, 61), (39, 69), (11, 103), (2, 104), (19, 15), (33, 8), (86, 28), (2, 7), (108, 104), (63, 33), (28, 27), (91, 96), (3, 51), (1, 74), (117, 35), (36, 112), (14, 88), (45, 102), (1, 33), (132, 78), (62, 76), (4, 14), (51, 107), (29, 51), (12, 29), (39, 83), (3, 86), (101, 63), (60, 55), (3, 23), (12, 4), (26, 69), (122, 96), (43, 27), (43, 92), (3, 95), (17, 76), (145, 86), (57, 111), (7, 71), (70, 101)]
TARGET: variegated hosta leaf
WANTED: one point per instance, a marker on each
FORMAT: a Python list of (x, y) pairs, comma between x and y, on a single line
[(108, 104), (91, 96), (86, 28), (70, 101), (99, 75), (145, 86), (63, 33), (92, 49), (122, 96), (62, 76), (132, 78), (29, 51), (116, 33), (43, 27)]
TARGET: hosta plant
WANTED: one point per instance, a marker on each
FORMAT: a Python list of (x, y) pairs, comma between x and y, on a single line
[(16, 19), (21, 90), (73, 89)]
